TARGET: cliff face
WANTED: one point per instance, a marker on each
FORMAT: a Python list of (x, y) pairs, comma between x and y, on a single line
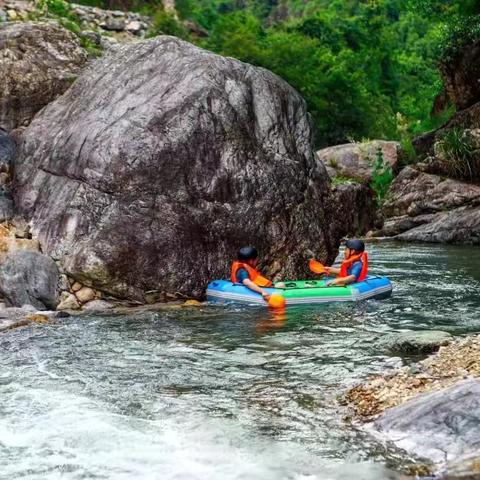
[(161, 160)]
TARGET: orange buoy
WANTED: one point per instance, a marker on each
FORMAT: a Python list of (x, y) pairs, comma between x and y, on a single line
[(277, 301)]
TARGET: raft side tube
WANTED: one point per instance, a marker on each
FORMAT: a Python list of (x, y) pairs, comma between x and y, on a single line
[(302, 292)]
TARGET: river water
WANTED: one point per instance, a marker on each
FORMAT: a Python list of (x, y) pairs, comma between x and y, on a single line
[(220, 393)]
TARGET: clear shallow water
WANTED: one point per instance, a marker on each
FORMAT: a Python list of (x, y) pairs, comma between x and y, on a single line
[(219, 393)]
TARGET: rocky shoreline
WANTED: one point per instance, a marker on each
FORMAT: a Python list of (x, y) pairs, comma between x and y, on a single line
[(430, 409), (458, 360)]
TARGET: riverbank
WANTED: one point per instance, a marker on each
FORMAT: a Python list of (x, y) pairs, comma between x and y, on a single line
[(457, 361)]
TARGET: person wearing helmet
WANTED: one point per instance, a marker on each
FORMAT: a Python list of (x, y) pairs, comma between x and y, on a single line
[(244, 271), (354, 266)]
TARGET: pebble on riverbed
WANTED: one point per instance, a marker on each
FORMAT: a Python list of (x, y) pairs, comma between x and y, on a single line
[(459, 360)]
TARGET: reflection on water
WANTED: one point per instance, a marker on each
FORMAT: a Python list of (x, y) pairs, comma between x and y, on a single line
[(219, 392)]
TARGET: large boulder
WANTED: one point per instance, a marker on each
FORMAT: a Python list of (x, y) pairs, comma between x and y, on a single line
[(356, 160), (163, 159), (29, 278), (426, 207), (441, 426), (38, 62)]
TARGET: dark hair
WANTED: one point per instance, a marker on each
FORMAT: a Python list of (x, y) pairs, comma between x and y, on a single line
[(356, 245), (247, 253)]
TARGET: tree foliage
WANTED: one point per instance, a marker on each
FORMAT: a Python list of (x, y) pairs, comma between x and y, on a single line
[(360, 64)]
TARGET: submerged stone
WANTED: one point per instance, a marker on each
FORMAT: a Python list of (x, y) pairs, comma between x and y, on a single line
[(416, 341)]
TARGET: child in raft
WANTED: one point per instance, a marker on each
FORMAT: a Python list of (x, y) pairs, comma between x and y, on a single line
[(244, 271), (353, 268)]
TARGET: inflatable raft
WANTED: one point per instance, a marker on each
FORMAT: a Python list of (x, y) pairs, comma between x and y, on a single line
[(302, 292)]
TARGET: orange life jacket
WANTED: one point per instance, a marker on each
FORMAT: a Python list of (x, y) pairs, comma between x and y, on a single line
[(346, 264), (253, 275)]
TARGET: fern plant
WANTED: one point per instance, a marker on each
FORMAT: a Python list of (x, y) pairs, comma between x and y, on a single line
[(456, 155)]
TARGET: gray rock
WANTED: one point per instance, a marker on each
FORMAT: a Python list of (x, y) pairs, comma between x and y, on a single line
[(163, 159), (423, 207), (355, 160), (134, 27), (113, 24), (440, 426), (6, 207), (414, 192), (7, 150), (464, 468), (29, 278), (97, 306), (415, 341), (38, 62), (459, 226), (356, 205)]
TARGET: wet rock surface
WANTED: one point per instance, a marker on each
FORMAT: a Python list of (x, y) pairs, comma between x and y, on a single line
[(29, 278), (98, 306), (440, 426), (38, 62), (161, 160), (355, 160)]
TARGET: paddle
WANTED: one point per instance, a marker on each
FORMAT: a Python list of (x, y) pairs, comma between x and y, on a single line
[(316, 267)]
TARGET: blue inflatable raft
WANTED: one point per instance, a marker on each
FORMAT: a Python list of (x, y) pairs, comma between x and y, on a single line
[(303, 292)]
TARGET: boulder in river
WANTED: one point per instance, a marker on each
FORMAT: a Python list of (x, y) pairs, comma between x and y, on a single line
[(356, 160), (440, 426), (162, 160), (38, 62), (29, 278)]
